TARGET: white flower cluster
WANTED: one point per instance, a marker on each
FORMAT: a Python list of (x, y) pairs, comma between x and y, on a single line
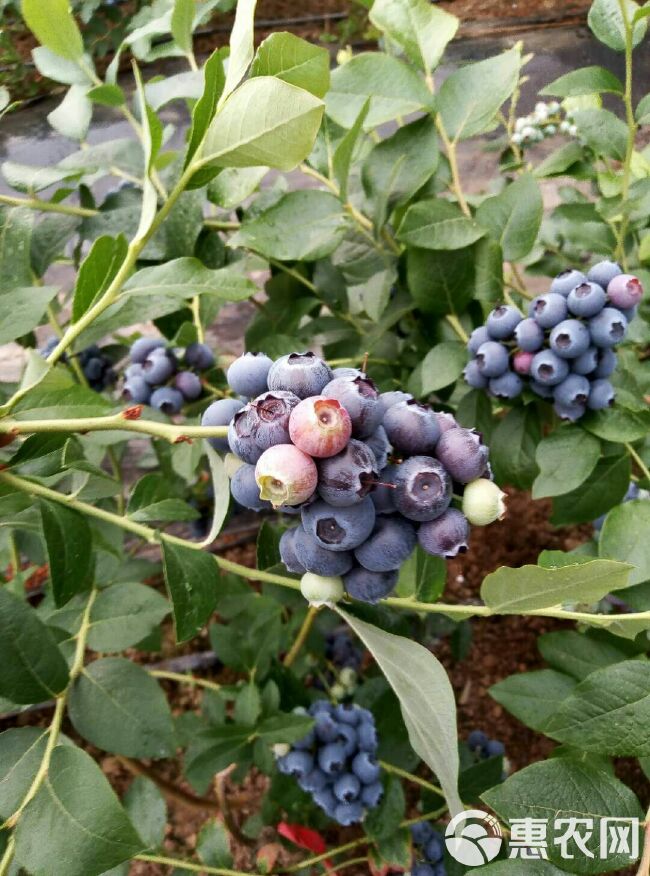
[(547, 120)]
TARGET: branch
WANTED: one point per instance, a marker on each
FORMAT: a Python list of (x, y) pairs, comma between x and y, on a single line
[(198, 804), (190, 865), (300, 639), (47, 206)]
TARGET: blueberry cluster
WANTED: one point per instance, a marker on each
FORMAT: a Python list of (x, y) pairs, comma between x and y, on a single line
[(563, 350), (342, 649), (155, 377), (482, 747), (430, 847), (546, 120), (96, 365), (336, 762), (369, 474)]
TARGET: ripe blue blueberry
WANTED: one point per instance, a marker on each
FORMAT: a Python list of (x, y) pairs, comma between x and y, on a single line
[(317, 559), (608, 328), (541, 389), (586, 300), (167, 400), (502, 322), (136, 389), (158, 367), (463, 454), (304, 374), (547, 310), (473, 376), (287, 553), (316, 780), (566, 281), (199, 356), (607, 361), (241, 436), (245, 491), (326, 800), (548, 368), (134, 370), (587, 362), (529, 335), (326, 728), (433, 850), (494, 748), (347, 736), (421, 832), (446, 536), (360, 398), (446, 421), (574, 390), (382, 495), (570, 339), (422, 868), (380, 446), (220, 413), (345, 371), (347, 713), (492, 359), (348, 477), (248, 374), (331, 758), (367, 736), (269, 415), (476, 740), (93, 368), (388, 399), (143, 346), (478, 337), (371, 794), (412, 428), (569, 413), (389, 545), (349, 813), (508, 385), (366, 768), (188, 384), (601, 396), (339, 529), (604, 272), (369, 586), (423, 486), (296, 763), (347, 788)]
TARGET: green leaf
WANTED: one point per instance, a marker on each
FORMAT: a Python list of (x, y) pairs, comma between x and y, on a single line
[(513, 217), (608, 25), (422, 576), (565, 788), (21, 753), (146, 807), (97, 271), (284, 728), (440, 281), (608, 712), (107, 95), (618, 424), (565, 458), (624, 537), (302, 226), (533, 697), (22, 309), (604, 132), (73, 115), (248, 705), (213, 845), (585, 80), (513, 446), (54, 27), (280, 136), (442, 366), (241, 45), (49, 240), (33, 668), (192, 579), (558, 163), (76, 809), (181, 25), (44, 402), (59, 69), (382, 821), (70, 550), (393, 88), (437, 224), (123, 615), (117, 706), (186, 277), (152, 499), (642, 111), (422, 30), (206, 105), (512, 867), (295, 61), (426, 700), (470, 98), (512, 591), (604, 488), (217, 748), (342, 158), (234, 184), (15, 236), (32, 178), (580, 654)]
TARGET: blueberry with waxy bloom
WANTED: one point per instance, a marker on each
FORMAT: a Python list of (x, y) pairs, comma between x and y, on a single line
[(285, 475), (446, 536), (304, 374), (360, 398), (412, 428), (320, 426), (248, 374), (463, 454)]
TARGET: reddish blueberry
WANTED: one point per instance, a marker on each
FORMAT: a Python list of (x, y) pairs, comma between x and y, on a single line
[(320, 426), (625, 291), (285, 475)]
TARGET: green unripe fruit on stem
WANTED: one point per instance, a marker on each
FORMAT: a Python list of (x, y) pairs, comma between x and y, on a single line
[(319, 590), (483, 502)]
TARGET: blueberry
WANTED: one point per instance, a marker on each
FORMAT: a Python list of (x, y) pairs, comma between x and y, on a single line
[(134, 370), (347, 736), (574, 390), (248, 374), (287, 553), (320, 426), (423, 486), (331, 758), (367, 736), (241, 436), (371, 794), (326, 800), (369, 586), (604, 272), (547, 310), (318, 559), (296, 763), (608, 328), (541, 389), (508, 385), (463, 454), (446, 421), (478, 337), (570, 339), (388, 399), (220, 413), (321, 706), (199, 356), (304, 374), (529, 336), (494, 748), (421, 868), (348, 813), (548, 368), (347, 714), (492, 359), (136, 389), (569, 413), (601, 396), (586, 300), (189, 384), (586, 363), (348, 477), (630, 312), (366, 768), (446, 536), (434, 850), (502, 322), (244, 489), (607, 361), (625, 291), (476, 740), (269, 416), (158, 367), (49, 346), (339, 529), (347, 372), (521, 363), (316, 780), (473, 376), (143, 346), (326, 728), (360, 398), (566, 281), (388, 546), (93, 368), (346, 788), (307, 742), (380, 446), (167, 400), (421, 832), (412, 428), (382, 495)]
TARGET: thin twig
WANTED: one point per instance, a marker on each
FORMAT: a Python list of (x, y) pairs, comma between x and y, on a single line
[(173, 792)]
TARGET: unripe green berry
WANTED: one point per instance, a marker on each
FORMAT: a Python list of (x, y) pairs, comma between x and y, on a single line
[(483, 502), (348, 677), (280, 749), (319, 590), (337, 691)]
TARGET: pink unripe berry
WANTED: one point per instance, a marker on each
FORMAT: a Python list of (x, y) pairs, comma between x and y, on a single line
[(320, 426), (521, 362), (625, 291), (285, 475)]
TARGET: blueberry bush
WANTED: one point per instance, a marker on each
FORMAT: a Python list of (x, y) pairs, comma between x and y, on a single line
[(400, 371)]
